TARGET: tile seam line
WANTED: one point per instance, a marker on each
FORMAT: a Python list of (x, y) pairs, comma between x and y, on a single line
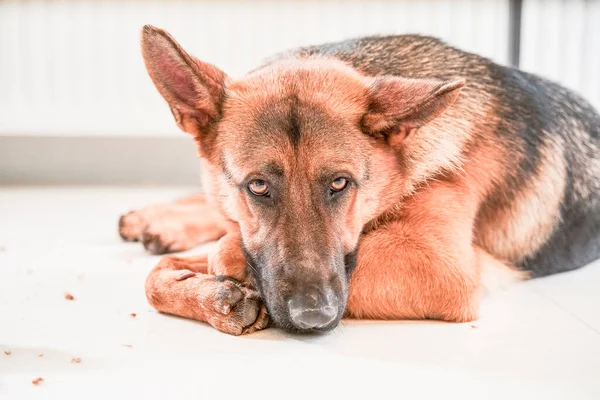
[(558, 305)]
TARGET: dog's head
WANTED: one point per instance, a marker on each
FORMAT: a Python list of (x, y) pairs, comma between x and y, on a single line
[(302, 153)]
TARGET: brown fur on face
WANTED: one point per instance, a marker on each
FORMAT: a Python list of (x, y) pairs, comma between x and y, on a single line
[(288, 135)]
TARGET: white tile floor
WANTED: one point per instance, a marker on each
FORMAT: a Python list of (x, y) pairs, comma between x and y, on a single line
[(539, 339)]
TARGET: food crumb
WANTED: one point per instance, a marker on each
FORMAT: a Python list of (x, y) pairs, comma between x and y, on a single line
[(133, 315), (473, 326), (76, 360), (37, 381), (69, 296), (7, 352), (127, 345), (41, 355)]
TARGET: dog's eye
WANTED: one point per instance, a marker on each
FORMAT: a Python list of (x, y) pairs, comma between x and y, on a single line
[(339, 184), (258, 187)]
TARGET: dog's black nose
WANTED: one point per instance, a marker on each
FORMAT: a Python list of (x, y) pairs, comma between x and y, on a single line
[(313, 309)]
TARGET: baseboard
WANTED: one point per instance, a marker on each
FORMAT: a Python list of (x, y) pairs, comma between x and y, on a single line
[(29, 160)]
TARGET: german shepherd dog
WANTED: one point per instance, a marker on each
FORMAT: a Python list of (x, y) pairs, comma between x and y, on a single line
[(380, 178)]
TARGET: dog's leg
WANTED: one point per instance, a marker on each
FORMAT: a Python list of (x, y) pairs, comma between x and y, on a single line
[(423, 264), (197, 288), (176, 226)]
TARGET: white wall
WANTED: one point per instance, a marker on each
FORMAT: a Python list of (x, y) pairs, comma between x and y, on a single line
[(72, 68), (561, 41)]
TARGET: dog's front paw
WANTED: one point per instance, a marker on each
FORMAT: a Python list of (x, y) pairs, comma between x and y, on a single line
[(235, 309)]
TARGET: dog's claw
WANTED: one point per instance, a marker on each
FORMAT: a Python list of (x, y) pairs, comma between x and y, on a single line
[(184, 275), (262, 321), (225, 309)]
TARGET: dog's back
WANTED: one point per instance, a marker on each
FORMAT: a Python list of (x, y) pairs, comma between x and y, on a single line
[(543, 209)]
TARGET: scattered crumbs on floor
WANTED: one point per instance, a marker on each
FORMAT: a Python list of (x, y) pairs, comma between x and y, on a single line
[(133, 315), (76, 360), (37, 381), (41, 355), (7, 352), (69, 296), (127, 345)]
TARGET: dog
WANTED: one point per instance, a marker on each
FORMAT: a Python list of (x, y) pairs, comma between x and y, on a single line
[(380, 178)]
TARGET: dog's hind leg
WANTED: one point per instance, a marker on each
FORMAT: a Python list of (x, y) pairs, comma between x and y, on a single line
[(400, 276), (196, 288), (177, 226), (422, 265)]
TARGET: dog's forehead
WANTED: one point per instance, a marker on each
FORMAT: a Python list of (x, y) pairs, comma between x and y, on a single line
[(329, 85), (310, 112), (289, 133)]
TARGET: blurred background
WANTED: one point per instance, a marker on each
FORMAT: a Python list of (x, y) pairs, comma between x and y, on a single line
[(77, 107)]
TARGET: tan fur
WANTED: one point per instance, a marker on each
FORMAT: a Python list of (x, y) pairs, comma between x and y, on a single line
[(589, 166), (176, 226), (424, 277), (518, 230), (498, 275), (188, 287)]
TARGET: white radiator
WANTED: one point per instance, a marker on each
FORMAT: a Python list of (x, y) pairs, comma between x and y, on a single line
[(561, 41), (73, 67)]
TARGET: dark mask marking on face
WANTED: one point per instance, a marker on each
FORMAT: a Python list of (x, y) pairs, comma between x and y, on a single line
[(294, 131), (350, 262), (253, 269)]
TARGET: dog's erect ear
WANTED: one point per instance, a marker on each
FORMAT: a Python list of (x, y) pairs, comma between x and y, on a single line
[(193, 89), (401, 104)]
